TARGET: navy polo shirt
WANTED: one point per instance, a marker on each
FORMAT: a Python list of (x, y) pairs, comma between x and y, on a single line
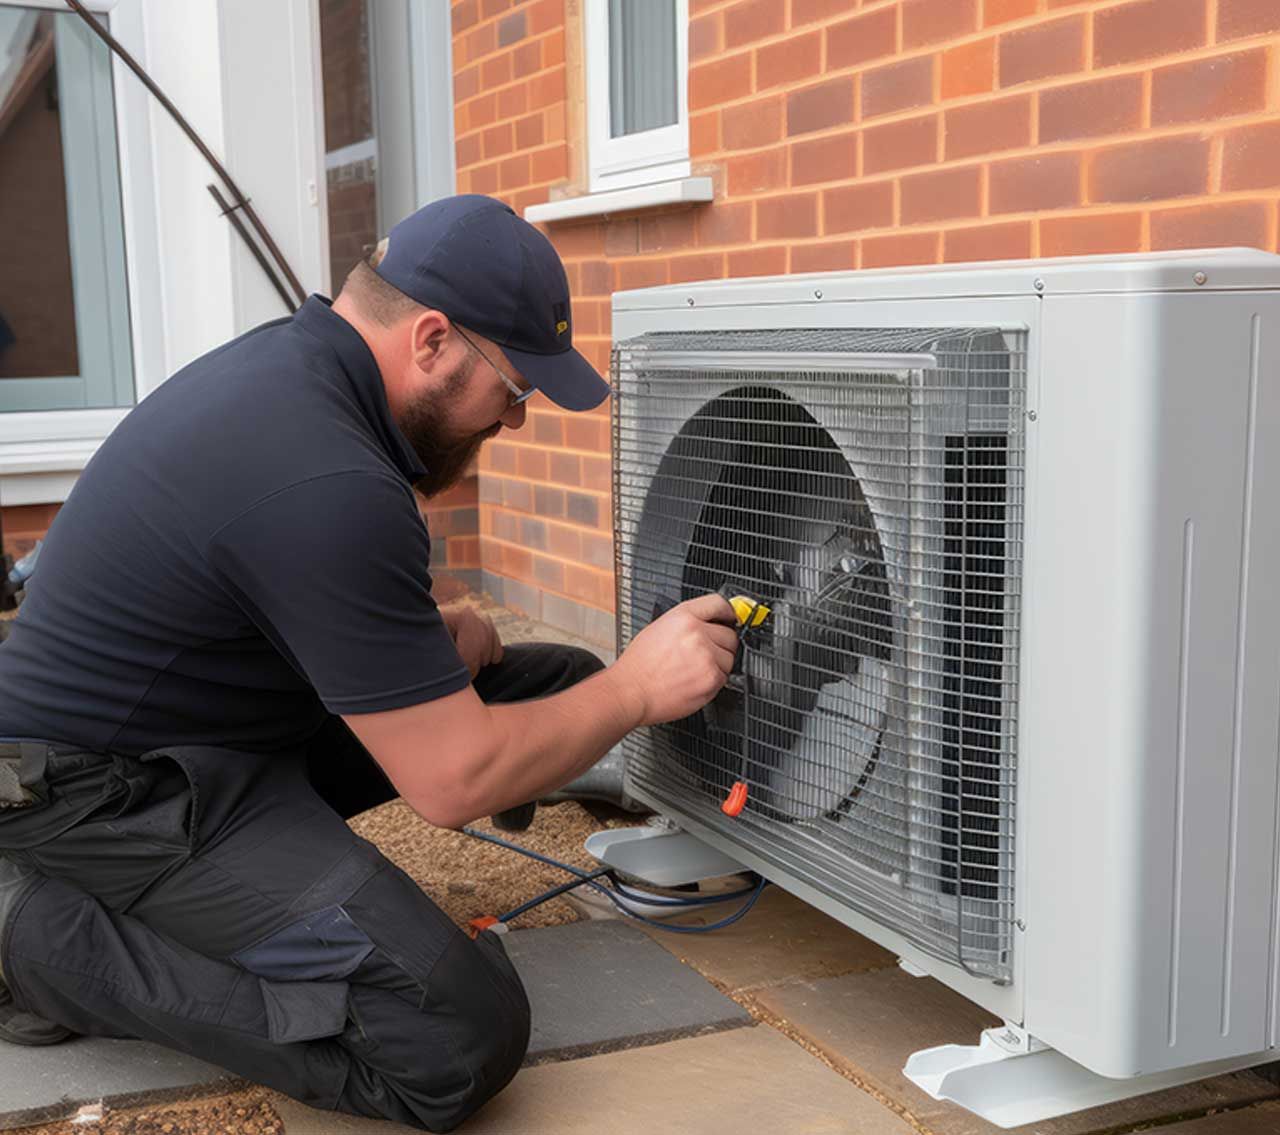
[(243, 556)]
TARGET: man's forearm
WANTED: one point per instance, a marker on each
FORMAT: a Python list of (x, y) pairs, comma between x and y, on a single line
[(541, 745)]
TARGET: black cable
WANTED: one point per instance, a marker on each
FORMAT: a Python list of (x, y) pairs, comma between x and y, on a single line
[(239, 199), (588, 879)]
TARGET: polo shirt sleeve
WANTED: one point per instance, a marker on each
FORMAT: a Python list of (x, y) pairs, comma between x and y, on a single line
[(333, 571)]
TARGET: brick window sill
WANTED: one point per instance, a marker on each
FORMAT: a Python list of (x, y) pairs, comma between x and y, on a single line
[(674, 192)]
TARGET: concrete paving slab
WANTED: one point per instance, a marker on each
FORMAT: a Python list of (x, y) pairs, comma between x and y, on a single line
[(1261, 1120), (868, 1024), (593, 987), (597, 986), (748, 1080), (782, 939), (41, 1084)]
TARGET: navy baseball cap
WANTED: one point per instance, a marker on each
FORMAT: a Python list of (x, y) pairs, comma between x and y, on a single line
[(472, 258)]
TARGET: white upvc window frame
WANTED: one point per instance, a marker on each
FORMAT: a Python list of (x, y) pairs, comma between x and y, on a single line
[(43, 451), (634, 159)]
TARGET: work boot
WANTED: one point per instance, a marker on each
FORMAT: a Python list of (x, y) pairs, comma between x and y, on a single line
[(17, 1026)]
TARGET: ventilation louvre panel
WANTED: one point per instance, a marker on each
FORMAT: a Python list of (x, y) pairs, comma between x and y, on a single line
[(867, 486)]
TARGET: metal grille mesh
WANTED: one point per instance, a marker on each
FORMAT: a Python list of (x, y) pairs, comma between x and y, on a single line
[(876, 508)]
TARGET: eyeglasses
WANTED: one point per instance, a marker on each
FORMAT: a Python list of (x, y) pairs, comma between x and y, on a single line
[(518, 396)]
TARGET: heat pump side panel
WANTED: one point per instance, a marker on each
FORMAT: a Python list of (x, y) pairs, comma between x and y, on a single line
[(1149, 727)]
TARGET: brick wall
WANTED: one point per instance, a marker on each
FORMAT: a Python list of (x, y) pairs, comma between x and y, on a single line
[(856, 134)]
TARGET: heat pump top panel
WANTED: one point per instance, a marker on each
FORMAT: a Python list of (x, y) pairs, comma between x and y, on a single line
[(1218, 269)]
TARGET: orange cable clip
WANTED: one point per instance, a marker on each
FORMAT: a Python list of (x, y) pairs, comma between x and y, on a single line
[(736, 800)]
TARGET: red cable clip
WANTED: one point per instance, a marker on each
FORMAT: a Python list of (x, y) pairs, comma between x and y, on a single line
[(478, 925), (736, 800)]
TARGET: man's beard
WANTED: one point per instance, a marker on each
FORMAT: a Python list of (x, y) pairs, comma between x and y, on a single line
[(446, 458)]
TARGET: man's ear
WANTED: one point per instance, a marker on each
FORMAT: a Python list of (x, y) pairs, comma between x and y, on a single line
[(430, 334)]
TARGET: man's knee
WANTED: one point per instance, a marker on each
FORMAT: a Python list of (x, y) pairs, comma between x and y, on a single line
[(476, 994)]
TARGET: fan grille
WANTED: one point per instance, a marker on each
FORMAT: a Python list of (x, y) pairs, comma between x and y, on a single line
[(866, 486)]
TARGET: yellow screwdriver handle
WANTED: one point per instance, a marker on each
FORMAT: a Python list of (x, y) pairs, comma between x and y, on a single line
[(745, 609)]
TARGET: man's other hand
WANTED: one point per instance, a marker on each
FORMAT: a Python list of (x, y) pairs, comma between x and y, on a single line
[(474, 635)]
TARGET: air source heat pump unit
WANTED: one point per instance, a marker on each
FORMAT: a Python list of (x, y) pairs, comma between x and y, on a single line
[(1014, 712)]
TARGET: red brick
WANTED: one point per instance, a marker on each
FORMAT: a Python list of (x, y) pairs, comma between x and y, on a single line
[(900, 145), (704, 36), (1092, 109), (1042, 50), (529, 132), (1236, 224), (514, 172), (582, 431), (987, 127), (1238, 18), (481, 41), (546, 88), (807, 11), (596, 277), (566, 469), (721, 80), (1251, 157), (465, 13), (551, 164), (724, 223), (1003, 11), (484, 179), (548, 429), (788, 61), (622, 236), (873, 35), (704, 133), (787, 217), (754, 173), (969, 70), (854, 207), (545, 15), (824, 159), (585, 238), (1150, 171), (987, 242), (1206, 89), (829, 256), (597, 551), (900, 248), (531, 463), (821, 106), (752, 20), (498, 140), (1044, 181), (1147, 29), (553, 49), (597, 474), (641, 273), (513, 101), (549, 573), (770, 261), (526, 59), (1090, 235), (897, 86), (466, 83), (931, 21), (467, 151), (750, 125), (699, 266), (482, 111), (667, 231), (490, 8), (941, 195)]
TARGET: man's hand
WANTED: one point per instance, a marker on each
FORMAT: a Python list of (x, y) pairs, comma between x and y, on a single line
[(680, 661), (474, 635)]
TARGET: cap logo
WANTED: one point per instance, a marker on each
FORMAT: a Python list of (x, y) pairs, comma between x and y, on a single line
[(561, 312)]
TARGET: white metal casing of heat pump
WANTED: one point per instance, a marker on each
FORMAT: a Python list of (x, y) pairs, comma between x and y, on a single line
[(1147, 813)]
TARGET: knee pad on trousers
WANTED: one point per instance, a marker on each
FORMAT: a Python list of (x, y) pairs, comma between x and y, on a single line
[(476, 984)]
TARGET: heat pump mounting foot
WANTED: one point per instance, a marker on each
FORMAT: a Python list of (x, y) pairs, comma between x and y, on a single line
[(1009, 1078), (661, 854)]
